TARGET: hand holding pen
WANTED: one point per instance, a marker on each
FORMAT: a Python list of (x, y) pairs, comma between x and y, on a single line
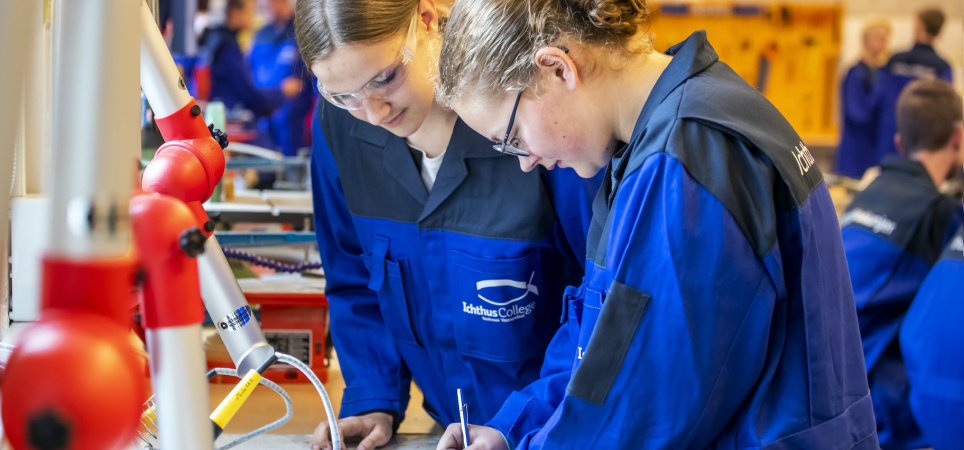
[(459, 436)]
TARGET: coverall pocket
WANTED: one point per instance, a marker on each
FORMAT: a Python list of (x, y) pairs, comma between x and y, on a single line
[(394, 296), (500, 308), (609, 339)]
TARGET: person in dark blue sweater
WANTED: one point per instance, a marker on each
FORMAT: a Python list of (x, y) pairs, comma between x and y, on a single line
[(920, 62), (893, 233), (857, 151), (230, 77), (274, 59)]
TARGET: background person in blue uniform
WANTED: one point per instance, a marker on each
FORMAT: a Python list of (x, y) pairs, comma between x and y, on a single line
[(230, 77), (932, 344), (444, 262), (715, 311), (857, 152), (274, 58), (893, 232), (920, 62)]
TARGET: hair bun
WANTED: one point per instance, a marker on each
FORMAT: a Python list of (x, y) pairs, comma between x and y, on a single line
[(616, 17)]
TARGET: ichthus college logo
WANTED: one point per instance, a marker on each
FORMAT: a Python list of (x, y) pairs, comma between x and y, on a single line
[(503, 309)]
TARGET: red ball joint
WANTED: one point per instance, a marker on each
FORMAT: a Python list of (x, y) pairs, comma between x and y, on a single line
[(167, 239), (74, 382), (190, 165)]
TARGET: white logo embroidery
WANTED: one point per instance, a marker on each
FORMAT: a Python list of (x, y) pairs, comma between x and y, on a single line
[(505, 313), (877, 223), (957, 244), (804, 159), (528, 287)]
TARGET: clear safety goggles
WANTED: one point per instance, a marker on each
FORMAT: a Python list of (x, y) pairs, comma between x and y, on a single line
[(386, 83)]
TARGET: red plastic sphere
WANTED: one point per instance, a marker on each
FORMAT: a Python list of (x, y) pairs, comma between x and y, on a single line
[(74, 382)]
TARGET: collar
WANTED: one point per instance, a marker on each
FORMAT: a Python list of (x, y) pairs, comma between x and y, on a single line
[(690, 57), (924, 47), (465, 142), (909, 168)]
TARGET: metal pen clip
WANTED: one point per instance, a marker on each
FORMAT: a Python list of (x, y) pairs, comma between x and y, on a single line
[(463, 418)]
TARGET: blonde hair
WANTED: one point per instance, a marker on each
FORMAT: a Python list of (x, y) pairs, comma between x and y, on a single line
[(323, 25), (490, 45)]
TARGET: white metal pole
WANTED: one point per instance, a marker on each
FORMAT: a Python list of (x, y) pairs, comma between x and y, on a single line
[(160, 79), (180, 387), (229, 309), (95, 126)]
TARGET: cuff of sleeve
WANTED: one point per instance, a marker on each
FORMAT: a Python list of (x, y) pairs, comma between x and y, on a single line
[(358, 400), (518, 417), (396, 417)]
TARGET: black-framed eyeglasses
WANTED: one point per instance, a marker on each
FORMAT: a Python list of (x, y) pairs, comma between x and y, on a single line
[(504, 147)]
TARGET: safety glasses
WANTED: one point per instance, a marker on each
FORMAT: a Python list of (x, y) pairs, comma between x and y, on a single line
[(505, 147), (385, 83)]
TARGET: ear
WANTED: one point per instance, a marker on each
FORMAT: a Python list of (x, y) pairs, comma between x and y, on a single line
[(428, 15), (555, 65), (900, 148), (957, 139)]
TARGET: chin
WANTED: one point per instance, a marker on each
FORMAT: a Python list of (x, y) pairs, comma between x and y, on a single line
[(586, 170)]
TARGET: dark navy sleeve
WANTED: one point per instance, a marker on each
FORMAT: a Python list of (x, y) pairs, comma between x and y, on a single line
[(375, 376), (232, 71), (946, 73), (858, 107), (931, 340), (682, 332)]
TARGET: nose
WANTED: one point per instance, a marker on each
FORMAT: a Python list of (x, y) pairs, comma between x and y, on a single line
[(527, 163), (376, 110)]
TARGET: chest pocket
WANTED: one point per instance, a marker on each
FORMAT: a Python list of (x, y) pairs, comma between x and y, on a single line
[(392, 281), (500, 307)]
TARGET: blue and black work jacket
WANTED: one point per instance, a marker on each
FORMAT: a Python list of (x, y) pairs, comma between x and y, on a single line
[(921, 61), (857, 151), (893, 233), (932, 343), (231, 80), (460, 287), (716, 311), (274, 57)]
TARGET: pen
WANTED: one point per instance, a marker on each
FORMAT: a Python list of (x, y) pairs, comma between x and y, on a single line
[(463, 418)]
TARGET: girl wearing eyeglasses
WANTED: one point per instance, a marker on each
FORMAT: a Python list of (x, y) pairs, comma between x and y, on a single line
[(445, 263), (716, 310)]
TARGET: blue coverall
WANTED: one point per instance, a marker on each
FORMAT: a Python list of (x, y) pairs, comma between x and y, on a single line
[(274, 57), (857, 152), (921, 61), (460, 287), (893, 233), (932, 342), (716, 310), (231, 81)]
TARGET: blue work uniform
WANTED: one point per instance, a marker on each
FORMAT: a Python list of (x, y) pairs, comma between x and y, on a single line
[(459, 287), (274, 57), (893, 233), (857, 152), (921, 61), (932, 343), (716, 310), (231, 81)]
